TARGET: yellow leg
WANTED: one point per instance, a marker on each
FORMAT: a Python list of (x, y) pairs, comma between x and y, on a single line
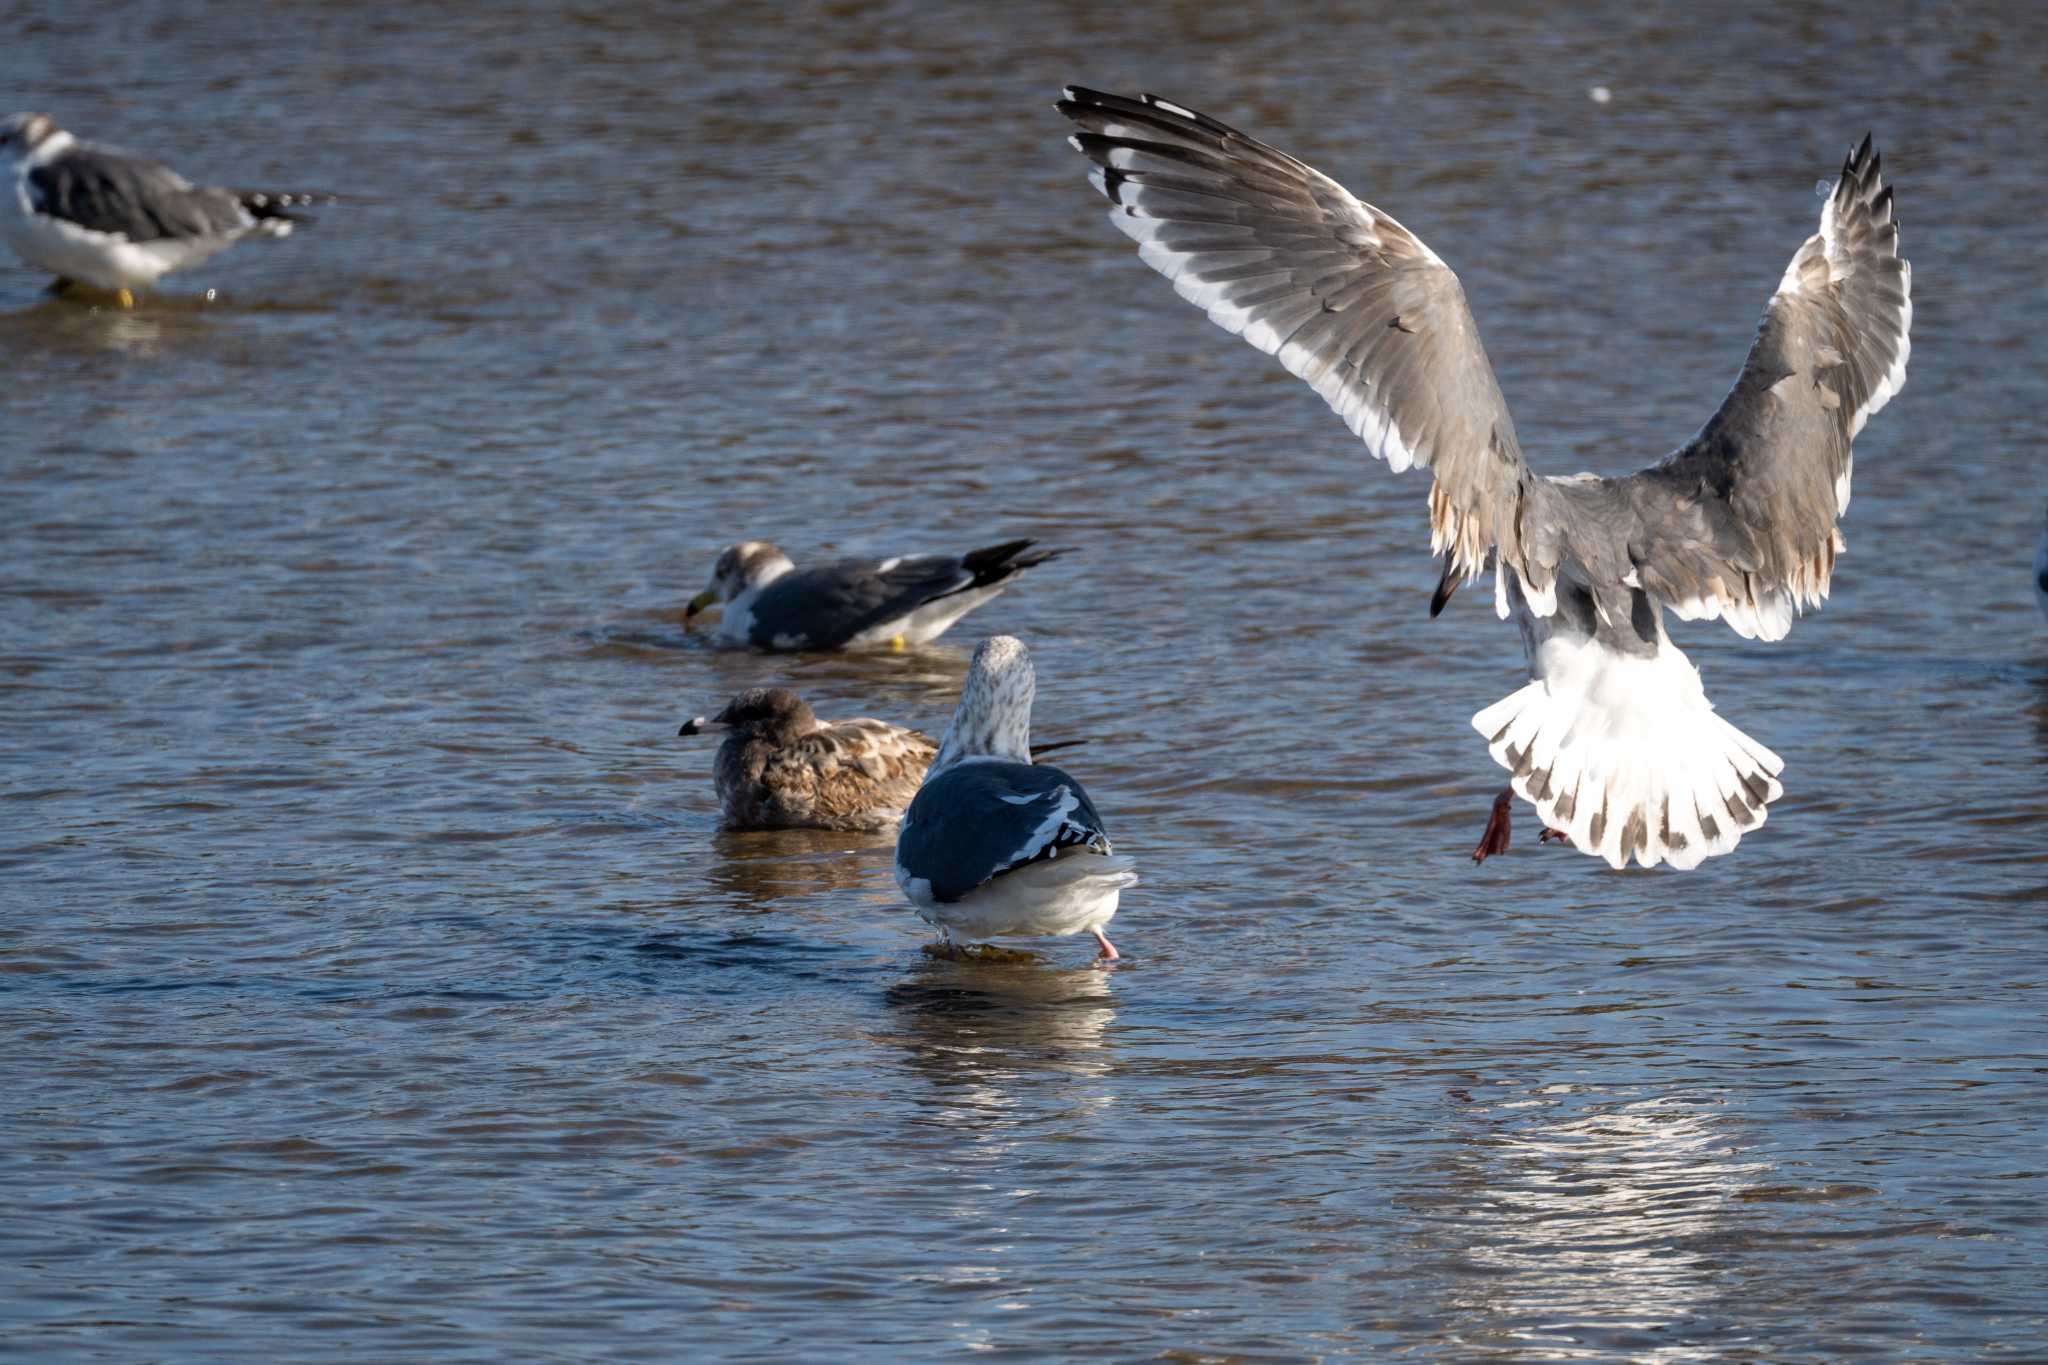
[(898, 643), (124, 300)]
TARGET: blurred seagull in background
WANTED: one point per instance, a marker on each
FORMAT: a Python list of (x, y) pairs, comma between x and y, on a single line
[(780, 767), (92, 215), (1614, 741), (853, 603), (995, 845), (2041, 572)]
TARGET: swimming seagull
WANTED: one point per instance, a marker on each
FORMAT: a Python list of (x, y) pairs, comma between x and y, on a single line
[(994, 844), (853, 603), (780, 767), (1614, 741), (114, 221)]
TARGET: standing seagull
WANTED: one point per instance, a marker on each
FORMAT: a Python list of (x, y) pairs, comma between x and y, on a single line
[(1614, 742), (780, 767), (995, 844), (853, 603), (114, 221)]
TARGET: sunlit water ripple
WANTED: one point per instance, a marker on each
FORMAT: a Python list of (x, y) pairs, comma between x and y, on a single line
[(380, 984)]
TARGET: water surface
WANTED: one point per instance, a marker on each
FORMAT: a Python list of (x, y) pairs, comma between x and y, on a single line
[(380, 984)]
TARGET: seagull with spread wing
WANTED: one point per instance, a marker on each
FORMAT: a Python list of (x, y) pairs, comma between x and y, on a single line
[(116, 221), (1613, 741)]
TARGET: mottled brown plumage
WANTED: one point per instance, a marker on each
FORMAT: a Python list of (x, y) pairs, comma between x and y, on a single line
[(780, 767)]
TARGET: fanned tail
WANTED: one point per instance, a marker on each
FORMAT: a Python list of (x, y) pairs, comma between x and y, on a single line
[(1630, 760)]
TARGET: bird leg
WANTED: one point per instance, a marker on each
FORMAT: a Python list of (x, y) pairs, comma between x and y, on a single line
[(64, 287), (1109, 952), (1495, 839)]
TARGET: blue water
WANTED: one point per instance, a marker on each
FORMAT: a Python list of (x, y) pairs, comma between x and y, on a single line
[(381, 986)]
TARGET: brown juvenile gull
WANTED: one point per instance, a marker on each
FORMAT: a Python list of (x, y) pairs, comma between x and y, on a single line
[(780, 767), (995, 844), (1614, 741), (853, 603), (115, 221)]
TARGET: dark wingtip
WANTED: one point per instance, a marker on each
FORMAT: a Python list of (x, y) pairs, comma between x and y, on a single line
[(1445, 587)]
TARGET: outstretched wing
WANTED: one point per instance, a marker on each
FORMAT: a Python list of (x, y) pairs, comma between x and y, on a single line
[(1740, 522), (1344, 296), (979, 819), (108, 191)]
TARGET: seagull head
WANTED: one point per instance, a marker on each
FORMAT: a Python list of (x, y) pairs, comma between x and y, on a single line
[(22, 134), (994, 716), (766, 712), (741, 568)]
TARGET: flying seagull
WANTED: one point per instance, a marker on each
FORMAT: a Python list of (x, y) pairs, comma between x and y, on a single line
[(780, 767), (995, 844), (93, 215), (853, 603), (1613, 741)]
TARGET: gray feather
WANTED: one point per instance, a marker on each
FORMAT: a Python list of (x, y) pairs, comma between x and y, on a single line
[(131, 196), (977, 820)]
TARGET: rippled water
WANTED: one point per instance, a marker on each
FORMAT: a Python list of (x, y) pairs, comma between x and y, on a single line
[(379, 983)]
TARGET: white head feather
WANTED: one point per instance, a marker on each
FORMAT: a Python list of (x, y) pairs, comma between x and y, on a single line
[(994, 716)]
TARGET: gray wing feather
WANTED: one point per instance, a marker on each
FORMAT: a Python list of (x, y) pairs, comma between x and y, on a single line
[(978, 820), (132, 196), (829, 605), (1345, 297), (1740, 523)]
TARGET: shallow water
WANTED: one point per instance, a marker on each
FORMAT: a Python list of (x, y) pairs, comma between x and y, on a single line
[(381, 985)]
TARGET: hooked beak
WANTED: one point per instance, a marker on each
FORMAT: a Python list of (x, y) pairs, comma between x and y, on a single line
[(697, 725), (706, 598)]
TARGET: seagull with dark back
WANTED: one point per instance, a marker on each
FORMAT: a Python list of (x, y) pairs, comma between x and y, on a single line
[(1613, 740), (995, 844), (118, 222), (853, 603)]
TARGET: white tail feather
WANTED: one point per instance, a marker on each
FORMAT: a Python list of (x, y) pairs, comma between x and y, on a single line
[(1627, 757)]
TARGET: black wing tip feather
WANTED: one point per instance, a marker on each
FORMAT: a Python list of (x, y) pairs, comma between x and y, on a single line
[(1078, 101), (278, 204), (994, 563)]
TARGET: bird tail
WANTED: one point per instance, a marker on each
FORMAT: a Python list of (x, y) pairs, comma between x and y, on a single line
[(996, 563), (1627, 756), (273, 210)]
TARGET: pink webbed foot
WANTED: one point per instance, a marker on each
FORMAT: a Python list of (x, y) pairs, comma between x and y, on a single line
[(1109, 952)]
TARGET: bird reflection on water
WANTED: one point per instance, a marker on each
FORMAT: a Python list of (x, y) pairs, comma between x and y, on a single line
[(54, 325), (758, 868), (1613, 1217), (978, 1030)]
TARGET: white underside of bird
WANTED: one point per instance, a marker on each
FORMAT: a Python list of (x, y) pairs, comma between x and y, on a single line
[(1075, 892)]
